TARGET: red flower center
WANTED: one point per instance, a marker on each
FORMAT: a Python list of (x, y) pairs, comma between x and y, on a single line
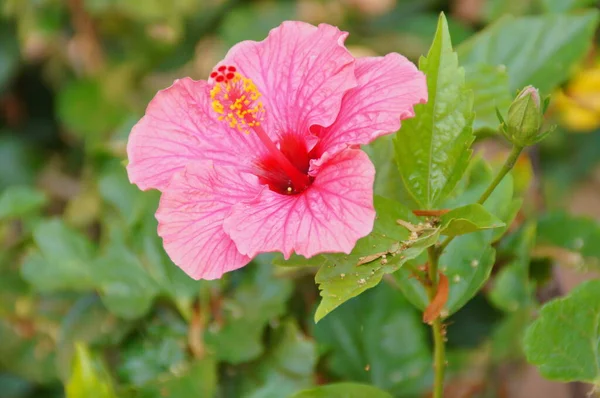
[(270, 172)]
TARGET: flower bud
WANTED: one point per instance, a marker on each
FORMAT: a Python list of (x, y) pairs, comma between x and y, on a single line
[(525, 118)]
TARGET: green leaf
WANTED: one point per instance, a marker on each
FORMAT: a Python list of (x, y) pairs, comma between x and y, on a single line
[(564, 342), (512, 289), (31, 356), (64, 260), (116, 189), (256, 301), (9, 54), (378, 338), (159, 349), (433, 148), (343, 390), (287, 367), (345, 276), (490, 88), (388, 182), (89, 322), (89, 378), (576, 234), (86, 111), (540, 50), (19, 201), (198, 379), (467, 219), (468, 260), (125, 286), (19, 161), (566, 5)]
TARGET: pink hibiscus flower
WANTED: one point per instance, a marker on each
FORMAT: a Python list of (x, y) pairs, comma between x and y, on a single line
[(264, 156)]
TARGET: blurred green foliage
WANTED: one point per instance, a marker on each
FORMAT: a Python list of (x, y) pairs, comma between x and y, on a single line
[(91, 306)]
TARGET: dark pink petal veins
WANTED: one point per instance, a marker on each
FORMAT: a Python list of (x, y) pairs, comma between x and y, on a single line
[(190, 218), (179, 127), (330, 216), (301, 70), (388, 88)]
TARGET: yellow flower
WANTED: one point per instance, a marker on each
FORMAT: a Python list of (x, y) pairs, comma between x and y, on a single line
[(578, 105)]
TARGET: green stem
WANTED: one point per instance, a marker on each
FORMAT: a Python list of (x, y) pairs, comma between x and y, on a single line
[(508, 165), (439, 357)]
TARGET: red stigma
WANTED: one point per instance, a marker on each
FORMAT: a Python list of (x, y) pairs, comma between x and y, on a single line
[(223, 73)]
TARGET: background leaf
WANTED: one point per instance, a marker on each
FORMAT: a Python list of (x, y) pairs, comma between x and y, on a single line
[(568, 353), (540, 50), (89, 378), (491, 90), (378, 338), (343, 390)]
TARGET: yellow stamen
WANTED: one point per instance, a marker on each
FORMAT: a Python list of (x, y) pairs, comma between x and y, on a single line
[(236, 101)]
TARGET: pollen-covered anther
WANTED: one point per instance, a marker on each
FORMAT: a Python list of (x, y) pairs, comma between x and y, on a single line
[(236, 99)]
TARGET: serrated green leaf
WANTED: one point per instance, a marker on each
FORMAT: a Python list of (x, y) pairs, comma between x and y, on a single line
[(468, 260), (468, 219), (540, 50), (378, 338), (63, 261), (345, 276), (491, 92), (564, 342), (433, 148), (18, 201), (343, 390), (89, 378)]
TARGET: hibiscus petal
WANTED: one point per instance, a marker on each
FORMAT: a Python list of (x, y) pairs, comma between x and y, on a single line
[(180, 127), (301, 70), (388, 88), (330, 216), (190, 218)]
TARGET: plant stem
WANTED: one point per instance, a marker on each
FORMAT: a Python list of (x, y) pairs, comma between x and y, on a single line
[(508, 165), (439, 358)]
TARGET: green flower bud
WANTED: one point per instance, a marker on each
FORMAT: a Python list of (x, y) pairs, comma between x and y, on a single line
[(525, 118)]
